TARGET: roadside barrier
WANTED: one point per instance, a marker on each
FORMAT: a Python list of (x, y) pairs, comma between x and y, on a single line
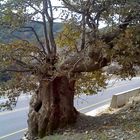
[(120, 99)]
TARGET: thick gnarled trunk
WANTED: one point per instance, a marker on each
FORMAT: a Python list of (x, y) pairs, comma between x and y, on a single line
[(51, 107)]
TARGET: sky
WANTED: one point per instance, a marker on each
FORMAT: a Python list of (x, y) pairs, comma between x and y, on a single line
[(56, 13), (56, 2)]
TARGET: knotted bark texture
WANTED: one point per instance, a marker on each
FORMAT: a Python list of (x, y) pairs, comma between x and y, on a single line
[(51, 107)]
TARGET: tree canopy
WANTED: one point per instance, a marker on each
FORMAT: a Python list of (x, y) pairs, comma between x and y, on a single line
[(95, 34)]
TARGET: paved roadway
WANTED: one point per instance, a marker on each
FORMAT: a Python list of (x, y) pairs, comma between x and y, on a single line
[(14, 123)]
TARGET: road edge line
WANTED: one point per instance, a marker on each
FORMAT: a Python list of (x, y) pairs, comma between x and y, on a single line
[(8, 135)]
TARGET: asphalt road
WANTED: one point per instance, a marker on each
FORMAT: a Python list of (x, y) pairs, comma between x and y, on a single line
[(13, 124)]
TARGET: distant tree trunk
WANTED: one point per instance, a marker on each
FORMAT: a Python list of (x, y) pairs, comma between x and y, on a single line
[(51, 107)]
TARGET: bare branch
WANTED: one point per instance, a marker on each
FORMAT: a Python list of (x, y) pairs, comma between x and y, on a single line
[(32, 6), (72, 7), (46, 36), (51, 37), (83, 32), (78, 61), (50, 7), (121, 28), (34, 57), (47, 5), (37, 37), (45, 10)]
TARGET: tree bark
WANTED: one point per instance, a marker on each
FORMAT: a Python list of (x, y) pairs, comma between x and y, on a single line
[(51, 107)]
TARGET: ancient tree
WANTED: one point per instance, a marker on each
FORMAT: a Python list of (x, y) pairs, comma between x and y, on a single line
[(55, 66)]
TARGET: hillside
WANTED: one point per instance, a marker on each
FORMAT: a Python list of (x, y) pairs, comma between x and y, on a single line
[(6, 36)]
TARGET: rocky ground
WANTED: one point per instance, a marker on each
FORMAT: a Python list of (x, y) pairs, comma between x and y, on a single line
[(122, 124)]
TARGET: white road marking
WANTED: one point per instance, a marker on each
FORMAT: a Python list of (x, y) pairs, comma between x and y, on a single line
[(8, 135), (93, 105)]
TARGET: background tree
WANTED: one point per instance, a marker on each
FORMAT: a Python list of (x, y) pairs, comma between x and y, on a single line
[(53, 68)]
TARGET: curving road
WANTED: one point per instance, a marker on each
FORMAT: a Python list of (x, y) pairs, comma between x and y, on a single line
[(13, 124)]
